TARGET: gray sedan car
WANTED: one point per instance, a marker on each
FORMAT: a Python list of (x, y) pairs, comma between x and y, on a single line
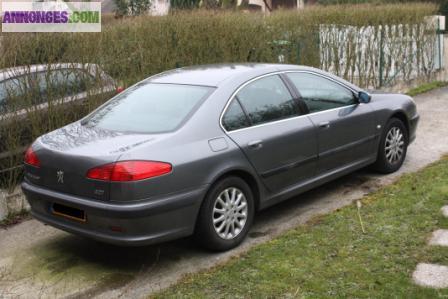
[(200, 150)]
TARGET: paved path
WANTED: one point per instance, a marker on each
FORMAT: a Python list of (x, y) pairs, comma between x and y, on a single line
[(37, 260), (434, 275), (431, 276)]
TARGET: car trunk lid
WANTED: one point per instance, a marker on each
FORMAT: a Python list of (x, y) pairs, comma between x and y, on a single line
[(68, 153)]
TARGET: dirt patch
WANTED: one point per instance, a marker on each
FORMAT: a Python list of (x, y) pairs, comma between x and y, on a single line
[(110, 282)]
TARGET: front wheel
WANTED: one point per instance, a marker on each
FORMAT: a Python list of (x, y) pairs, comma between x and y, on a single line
[(226, 214), (393, 147)]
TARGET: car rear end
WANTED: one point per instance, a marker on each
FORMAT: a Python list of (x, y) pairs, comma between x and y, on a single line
[(72, 190), (109, 180)]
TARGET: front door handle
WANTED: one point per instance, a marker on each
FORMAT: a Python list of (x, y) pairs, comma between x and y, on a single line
[(256, 144), (324, 125)]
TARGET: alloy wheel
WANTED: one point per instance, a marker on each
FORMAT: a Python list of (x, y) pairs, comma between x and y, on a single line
[(394, 147), (230, 213)]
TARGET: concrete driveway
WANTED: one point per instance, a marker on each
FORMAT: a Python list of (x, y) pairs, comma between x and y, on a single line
[(40, 261)]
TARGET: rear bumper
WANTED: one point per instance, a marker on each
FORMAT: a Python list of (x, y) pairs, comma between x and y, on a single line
[(137, 223)]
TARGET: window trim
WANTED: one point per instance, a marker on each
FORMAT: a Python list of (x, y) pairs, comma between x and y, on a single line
[(280, 73)]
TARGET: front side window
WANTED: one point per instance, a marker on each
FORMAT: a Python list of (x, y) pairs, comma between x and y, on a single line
[(149, 108), (267, 99), (320, 94)]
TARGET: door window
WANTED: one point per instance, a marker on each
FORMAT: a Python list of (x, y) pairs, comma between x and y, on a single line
[(266, 100), (320, 94)]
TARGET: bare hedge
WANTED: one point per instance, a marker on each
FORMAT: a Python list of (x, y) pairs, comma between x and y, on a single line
[(131, 49)]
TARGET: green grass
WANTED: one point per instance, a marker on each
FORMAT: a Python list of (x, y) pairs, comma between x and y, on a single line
[(426, 87), (331, 257)]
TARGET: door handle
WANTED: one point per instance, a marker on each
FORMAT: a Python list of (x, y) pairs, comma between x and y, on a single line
[(324, 125), (256, 144)]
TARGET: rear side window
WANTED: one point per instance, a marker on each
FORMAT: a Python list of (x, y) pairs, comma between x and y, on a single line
[(235, 118), (149, 108), (267, 99)]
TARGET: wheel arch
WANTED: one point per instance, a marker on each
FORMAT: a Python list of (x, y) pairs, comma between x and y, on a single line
[(247, 177), (401, 116)]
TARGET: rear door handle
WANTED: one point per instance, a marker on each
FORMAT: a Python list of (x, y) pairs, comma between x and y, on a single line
[(324, 125), (256, 144)]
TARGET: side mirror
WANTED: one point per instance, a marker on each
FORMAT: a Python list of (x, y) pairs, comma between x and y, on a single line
[(364, 97)]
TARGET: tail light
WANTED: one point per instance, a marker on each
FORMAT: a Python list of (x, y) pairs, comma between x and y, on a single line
[(126, 171), (31, 158)]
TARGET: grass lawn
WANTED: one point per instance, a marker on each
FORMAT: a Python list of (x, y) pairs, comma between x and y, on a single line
[(331, 257), (426, 87)]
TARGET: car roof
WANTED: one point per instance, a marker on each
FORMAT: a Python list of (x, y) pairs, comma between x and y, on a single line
[(216, 74)]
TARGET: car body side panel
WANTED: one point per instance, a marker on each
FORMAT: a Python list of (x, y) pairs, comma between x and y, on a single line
[(388, 105), (287, 153), (194, 164), (345, 135), (314, 182)]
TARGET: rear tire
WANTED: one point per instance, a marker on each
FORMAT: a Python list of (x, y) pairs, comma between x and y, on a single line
[(393, 147), (226, 214)]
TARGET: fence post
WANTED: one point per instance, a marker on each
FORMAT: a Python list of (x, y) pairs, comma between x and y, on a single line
[(3, 207), (439, 36), (381, 62), (445, 56)]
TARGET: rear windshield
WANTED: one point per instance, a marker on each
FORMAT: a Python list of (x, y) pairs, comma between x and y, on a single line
[(149, 108)]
